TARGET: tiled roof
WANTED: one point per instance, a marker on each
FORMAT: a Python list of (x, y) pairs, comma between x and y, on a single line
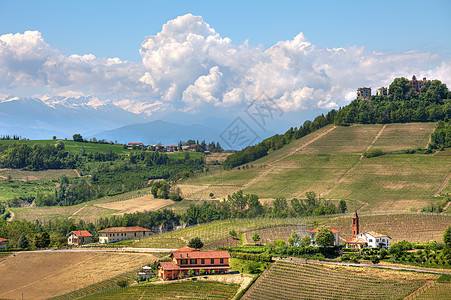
[(168, 265), (333, 230), (353, 240), (171, 146), (355, 215), (3, 240), (185, 249), (123, 229), (200, 254), (81, 233), (377, 235)]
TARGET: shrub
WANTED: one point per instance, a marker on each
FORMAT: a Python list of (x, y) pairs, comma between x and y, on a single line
[(122, 283), (373, 153)]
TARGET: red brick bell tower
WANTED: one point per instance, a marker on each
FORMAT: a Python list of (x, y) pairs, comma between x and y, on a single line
[(355, 224)]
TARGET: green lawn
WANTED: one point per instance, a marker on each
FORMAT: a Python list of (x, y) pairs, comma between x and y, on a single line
[(16, 189)]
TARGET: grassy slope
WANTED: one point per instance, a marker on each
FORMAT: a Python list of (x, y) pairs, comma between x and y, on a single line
[(331, 166)]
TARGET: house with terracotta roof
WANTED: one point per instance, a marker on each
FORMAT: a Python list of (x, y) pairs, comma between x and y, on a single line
[(186, 259), (3, 243), (336, 233), (79, 237), (116, 234), (370, 239), (171, 148)]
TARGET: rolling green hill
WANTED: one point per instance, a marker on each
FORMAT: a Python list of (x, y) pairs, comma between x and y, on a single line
[(329, 162)]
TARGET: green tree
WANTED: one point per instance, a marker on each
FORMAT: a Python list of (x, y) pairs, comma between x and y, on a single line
[(195, 243), (342, 207), (291, 241), (77, 137), (233, 233), (191, 272), (255, 237), (447, 236), (23, 242), (324, 237), (42, 240), (306, 241)]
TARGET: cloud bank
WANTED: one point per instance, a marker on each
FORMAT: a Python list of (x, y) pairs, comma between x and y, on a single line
[(189, 66)]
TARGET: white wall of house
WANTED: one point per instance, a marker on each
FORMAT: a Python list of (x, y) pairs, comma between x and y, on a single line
[(105, 238), (373, 242)]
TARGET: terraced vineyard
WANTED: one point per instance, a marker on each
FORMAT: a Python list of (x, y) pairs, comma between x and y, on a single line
[(185, 290), (438, 291), (288, 280), (215, 231), (328, 162), (97, 287), (413, 227)]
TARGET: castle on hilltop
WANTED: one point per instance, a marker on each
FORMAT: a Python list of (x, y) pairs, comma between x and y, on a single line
[(365, 92)]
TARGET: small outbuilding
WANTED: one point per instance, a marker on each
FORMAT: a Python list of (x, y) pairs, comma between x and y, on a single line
[(79, 237), (145, 273), (3, 243)]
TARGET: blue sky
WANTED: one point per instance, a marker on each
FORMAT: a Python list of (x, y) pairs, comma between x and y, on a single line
[(210, 59), (117, 28)]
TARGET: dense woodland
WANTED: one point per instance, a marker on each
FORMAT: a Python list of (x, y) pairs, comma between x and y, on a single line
[(401, 105)]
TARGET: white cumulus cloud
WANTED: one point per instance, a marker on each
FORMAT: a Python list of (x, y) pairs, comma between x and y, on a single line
[(190, 66)]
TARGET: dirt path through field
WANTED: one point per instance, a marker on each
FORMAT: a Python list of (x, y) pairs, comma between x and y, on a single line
[(374, 140), (77, 211), (76, 172), (443, 185), (146, 202), (271, 166)]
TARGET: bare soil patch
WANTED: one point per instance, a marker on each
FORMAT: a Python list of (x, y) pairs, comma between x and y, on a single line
[(147, 202), (44, 275)]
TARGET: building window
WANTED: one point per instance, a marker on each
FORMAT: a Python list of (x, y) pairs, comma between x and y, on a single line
[(370, 240), (212, 261), (193, 261), (202, 261), (221, 261), (184, 262)]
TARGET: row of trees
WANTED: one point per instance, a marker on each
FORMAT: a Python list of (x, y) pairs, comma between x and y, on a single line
[(237, 205)]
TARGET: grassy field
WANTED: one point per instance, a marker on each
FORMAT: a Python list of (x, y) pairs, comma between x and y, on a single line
[(404, 136), (174, 290), (34, 275), (213, 232), (288, 280), (300, 173), (328, 162)]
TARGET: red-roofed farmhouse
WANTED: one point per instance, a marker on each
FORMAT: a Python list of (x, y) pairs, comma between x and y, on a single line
[(334, 231), (185, 259), (115, 234), (79, 237)]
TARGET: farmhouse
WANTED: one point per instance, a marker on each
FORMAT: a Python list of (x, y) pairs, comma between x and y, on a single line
[(130, 146), (334, 231), (171, 148), (366, 239), (116, 234), (3, 243), (186, 259), (79, 237)]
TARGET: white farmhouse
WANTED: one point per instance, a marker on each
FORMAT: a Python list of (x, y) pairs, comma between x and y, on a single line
[(116, 234)]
